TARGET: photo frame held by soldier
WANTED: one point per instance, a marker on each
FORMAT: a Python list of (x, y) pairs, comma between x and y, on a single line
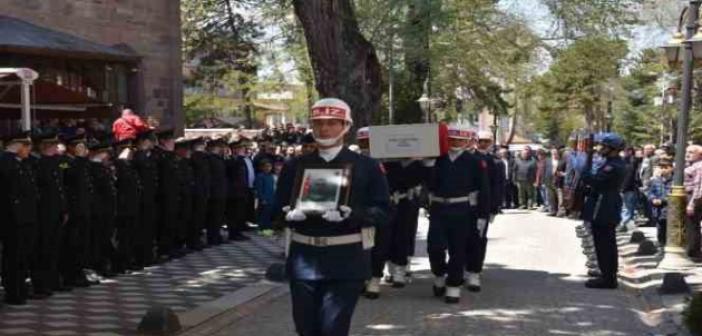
[(319, 188)]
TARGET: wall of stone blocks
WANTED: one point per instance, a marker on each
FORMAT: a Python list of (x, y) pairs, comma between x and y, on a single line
[(149, 27)]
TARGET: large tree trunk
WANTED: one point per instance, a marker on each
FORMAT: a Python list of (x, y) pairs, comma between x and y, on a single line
[(417, 62), (345, 63)]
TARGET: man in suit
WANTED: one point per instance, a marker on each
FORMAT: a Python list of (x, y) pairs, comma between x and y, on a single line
[(239, 193)]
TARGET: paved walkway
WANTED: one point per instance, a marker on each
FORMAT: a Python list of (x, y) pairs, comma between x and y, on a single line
[(533, 285), (116, 306)]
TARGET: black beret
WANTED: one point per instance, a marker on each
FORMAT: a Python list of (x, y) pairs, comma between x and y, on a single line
[(165, 133), (146, 135), (72, 140), (19, 136), (49, 137)]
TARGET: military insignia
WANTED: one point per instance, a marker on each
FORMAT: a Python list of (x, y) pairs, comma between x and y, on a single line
[(607, 168), (64, 165), (483, 164)]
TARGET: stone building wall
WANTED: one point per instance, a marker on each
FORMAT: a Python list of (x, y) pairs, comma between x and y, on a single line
[(150, 27)]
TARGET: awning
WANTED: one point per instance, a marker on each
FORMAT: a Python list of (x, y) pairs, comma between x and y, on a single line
[(22, 37), (49, 100)]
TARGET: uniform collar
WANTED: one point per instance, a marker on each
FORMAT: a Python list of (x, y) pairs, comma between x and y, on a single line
[(330, 154)]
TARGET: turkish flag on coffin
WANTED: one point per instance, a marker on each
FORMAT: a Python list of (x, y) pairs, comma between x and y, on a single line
[(443, 138)]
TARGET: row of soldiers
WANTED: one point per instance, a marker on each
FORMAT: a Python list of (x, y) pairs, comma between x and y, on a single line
[(114, 207)]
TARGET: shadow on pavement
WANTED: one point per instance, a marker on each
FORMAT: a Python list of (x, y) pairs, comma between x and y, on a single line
[(542, 304)]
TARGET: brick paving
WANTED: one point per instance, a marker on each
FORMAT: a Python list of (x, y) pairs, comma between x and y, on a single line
[(116, 306), (533, 285)]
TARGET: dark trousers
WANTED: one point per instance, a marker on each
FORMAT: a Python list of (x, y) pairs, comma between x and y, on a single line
[(102, 230), (403, 228), (476, 245), (661, 228), (264, 218), (692, 233), (511, 195), (15, 260), (145, 235), (167, 228), (75, 249), (237, 212), (381, 248), (44, 268), (605, 239), (198, 220), (215, 220), (125, 234), (447, 233), (324, 308)]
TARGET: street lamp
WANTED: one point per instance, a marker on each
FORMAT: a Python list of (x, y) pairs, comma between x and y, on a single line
[(425, 104), (609, 117), (674, 252)]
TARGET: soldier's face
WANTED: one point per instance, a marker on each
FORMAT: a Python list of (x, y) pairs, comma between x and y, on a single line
[(49, 149), (328, 128), (24, 150), (458, 143), (484, 144)]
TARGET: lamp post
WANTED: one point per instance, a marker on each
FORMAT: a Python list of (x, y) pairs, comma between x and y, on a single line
[(609, 117), (674, 259), (425, 104)]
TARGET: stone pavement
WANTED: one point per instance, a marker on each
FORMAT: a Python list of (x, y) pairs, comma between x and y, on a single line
[(533, 285), (116, 306)]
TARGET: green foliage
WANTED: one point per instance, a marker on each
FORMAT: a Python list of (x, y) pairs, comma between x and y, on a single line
[(578, 85), (693, 314)]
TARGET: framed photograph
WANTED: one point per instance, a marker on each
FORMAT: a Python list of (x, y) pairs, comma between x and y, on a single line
[(321, 187)]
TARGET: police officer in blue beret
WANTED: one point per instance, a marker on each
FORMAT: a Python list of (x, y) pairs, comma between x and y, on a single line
[(603, 207), (329, 254)]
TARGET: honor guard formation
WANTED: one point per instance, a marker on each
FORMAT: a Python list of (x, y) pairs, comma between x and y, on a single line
[(78, 210)]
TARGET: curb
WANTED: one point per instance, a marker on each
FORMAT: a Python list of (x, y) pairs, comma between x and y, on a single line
[(640, 276), (214, 316)]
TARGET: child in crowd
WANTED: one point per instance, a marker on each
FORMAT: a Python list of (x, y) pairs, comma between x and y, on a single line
[(265, 193), (658, 196)]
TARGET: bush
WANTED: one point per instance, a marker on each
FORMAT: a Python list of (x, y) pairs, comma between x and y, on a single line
[(693, 315)]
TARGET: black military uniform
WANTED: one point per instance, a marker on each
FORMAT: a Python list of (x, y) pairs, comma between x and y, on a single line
[(104, 210), (408, 176), (218, 195), (167, 196), (456, 183), (129, 202), (477, 237), (324, 289), (603, 208), (18, 206), (79, 193), (146, 165), (201, 192), (186, 232), (52, 217)]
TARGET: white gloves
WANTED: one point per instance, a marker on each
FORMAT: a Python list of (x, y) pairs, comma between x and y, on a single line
[(294, 215), (336, 216), (482, 225)]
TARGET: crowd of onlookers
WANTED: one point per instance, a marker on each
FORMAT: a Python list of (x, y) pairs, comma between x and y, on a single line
[(542, 179)]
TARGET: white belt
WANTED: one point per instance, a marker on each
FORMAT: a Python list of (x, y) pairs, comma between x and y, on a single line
[(366, 237), (397, 197), (472, 198)]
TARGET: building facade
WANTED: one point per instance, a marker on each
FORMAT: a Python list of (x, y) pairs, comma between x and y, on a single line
[(114, 53)]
